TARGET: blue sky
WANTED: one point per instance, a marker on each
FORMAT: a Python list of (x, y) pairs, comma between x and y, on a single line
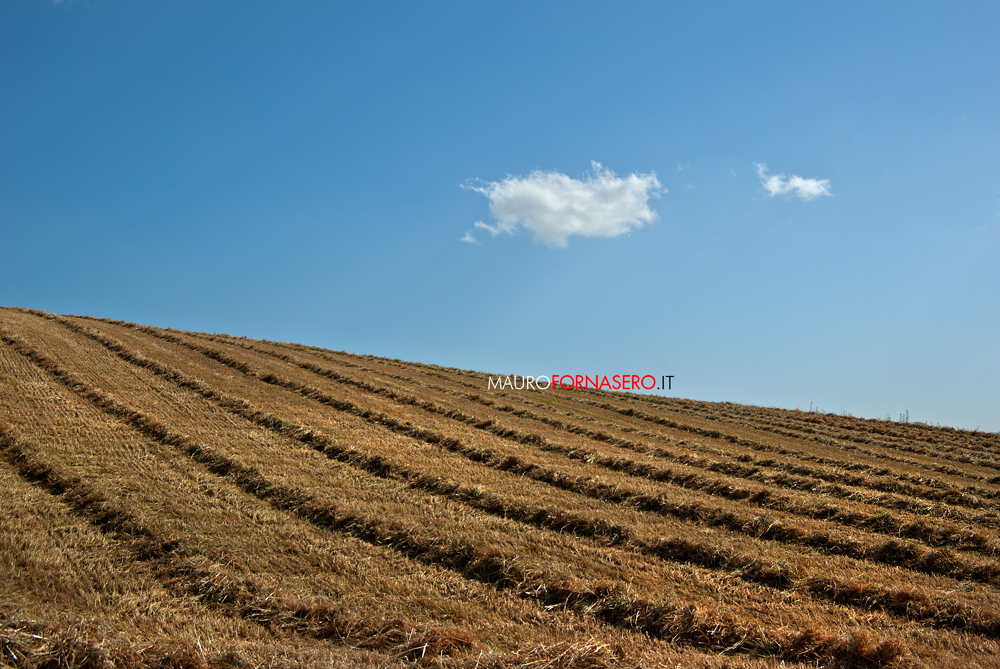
[(307, 172)]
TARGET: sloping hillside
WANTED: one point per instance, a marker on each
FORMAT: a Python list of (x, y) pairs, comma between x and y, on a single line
[(179, 499)]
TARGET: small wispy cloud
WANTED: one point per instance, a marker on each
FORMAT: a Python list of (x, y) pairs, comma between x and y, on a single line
[(778, 184), (555, 207), (491, 229), (469, 238)]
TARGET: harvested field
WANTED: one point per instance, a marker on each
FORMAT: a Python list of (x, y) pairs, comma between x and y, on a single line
[(176, 499)]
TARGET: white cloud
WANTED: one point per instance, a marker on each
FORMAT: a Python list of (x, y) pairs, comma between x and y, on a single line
[(807, 189), (482, 226), (554, 206), (469, 238)]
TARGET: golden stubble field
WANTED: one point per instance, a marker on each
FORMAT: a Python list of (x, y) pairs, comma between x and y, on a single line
[(176, 499)]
